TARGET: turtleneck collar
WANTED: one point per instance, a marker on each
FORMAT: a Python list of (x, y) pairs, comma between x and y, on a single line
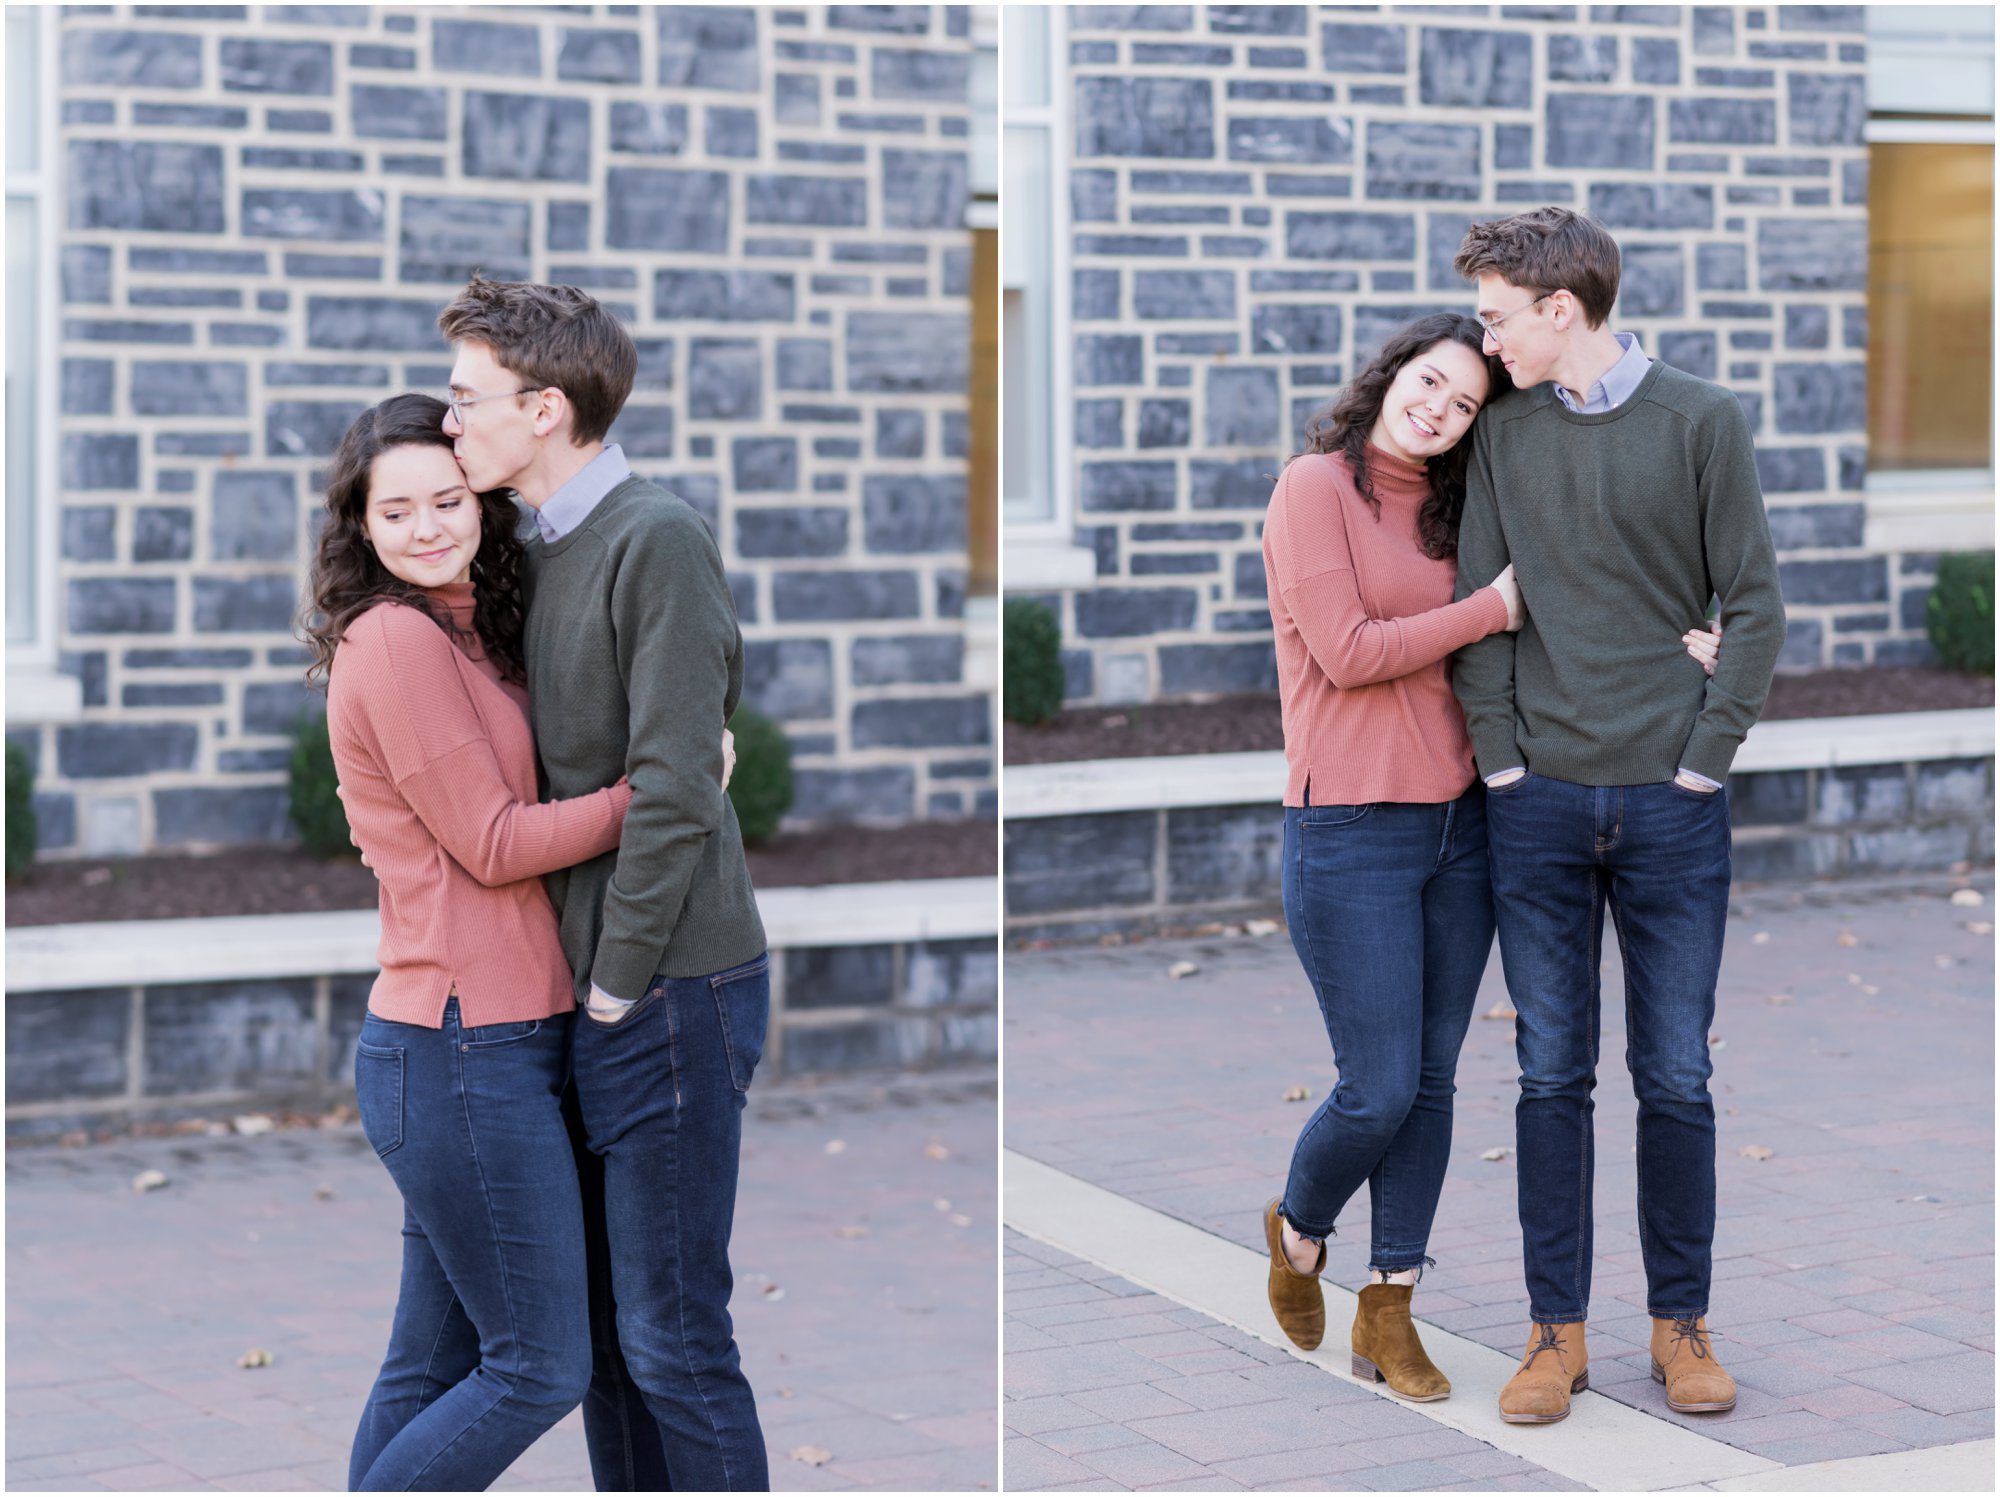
[(458, 600), (1390, 473)]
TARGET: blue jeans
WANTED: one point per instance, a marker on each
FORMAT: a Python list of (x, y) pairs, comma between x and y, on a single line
[(1658, 857), (1391, 911), (660, 1098), (490, 1344)]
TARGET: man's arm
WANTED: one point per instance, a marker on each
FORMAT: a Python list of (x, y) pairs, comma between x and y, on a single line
[(1482, 674), (676, 630), (1743, 569)]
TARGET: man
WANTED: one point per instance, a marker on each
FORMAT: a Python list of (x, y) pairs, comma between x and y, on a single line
[(634, 663), (1625, 494)]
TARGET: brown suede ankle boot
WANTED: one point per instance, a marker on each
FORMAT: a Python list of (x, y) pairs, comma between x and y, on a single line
[(1555, 1366), (1684, 1360), (1295, 1297), (1386, 1348)]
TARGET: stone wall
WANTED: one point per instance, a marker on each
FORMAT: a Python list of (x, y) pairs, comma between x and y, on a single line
[(268, 206), (104, 1056), (1260, 193)]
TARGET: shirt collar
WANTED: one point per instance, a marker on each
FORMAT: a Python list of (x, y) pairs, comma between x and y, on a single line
[(570, 505), (1618, 382)]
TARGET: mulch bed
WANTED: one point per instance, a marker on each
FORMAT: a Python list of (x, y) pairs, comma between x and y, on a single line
[(282, 881), (1239, 724)]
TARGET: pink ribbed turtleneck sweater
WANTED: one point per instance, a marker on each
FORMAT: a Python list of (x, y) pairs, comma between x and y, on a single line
[(1365, 624), (437, 772)]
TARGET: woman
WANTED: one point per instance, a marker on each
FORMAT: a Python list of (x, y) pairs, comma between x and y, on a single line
[(464, 1051), (1385, 878)]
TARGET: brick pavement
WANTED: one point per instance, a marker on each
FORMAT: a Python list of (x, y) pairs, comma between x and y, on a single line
[(126, 1313), (1854, 1270)]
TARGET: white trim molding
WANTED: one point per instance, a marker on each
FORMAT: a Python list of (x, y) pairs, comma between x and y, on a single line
[(1930, 511)]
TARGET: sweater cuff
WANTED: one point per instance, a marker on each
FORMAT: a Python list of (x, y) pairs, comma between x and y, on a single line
[(1497, 752), (1709, 753), (623, 970), (1494, 612)]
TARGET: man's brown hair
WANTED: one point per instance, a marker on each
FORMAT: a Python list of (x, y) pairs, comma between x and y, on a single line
[(552, 336), (1550, 249)]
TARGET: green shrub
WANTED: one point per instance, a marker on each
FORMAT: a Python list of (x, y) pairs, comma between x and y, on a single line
[(1961, 612), (316, 809), (761, 787), (1031, 662), (22, 834)]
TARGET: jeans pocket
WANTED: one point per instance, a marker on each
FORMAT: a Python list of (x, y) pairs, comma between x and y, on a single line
[(743, 1007), (492, 1036), (1512, 786), (1326, 816), (1678, 788), (378, 1095)]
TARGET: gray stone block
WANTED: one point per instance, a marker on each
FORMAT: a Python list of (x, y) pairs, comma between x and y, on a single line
[(1184, 294), (839, 977), (1599, 130), (897, 659), (729, 131), (911, 515), (797, 99), (1423, 160), (1163, 423), (1714, 31), (712, 47), (1782, 470), (1814, 398), (1656, 60), (256, 65), (163, 535), (1251, 581), (790, 680), (374, 324), (830, 597), (1721, 267), (112, 750), (898, 73), (765, 465), (246, 605), (188, 388), (592, 55), (489, 48), (1278, 138), (1146, 116), (1863, 794), (1955, 788), (1692, 353), (1817, 526), (1056, 865), (86, 274), (1909, 849), (130, 59), (446, 239), (879, 794), (1127, 612), (86, 386), (1475, 69), (1721, 120), (1812, 254), (923, 189), (824, 202), (1213, 669), (790, 532), (533, 138), (1848, 580), (1789, 858), (1099, 424), (1375, 323), (1241, 407), (725, 296), (68, 1045), (923, 722), (154, 186), (89, 532), (804, 364), (1110, 359), (861, 1046), (661, 209), (1826, 109), (1775, 798), (307, 428), (1363, 48), (1242, 483), (1224, 854), (1125, 485), (1654, 281), (908, 352), (255, 517), (1583, 59), (100, 460), (287, 213), (649, 129), (899, 433), (229, 1037), (725, 379)]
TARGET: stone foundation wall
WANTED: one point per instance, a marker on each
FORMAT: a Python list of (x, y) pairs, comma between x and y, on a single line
[(101, 1056)]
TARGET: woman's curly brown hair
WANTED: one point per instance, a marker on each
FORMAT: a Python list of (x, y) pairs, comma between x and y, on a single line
[(1344, 426), (348, 578)]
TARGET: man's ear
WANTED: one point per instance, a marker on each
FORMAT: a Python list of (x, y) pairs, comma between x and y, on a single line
[(1563, 309), (550, 412)]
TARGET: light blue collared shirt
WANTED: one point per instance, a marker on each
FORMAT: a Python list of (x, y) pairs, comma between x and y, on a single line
[(1617, 385), (570, 505)]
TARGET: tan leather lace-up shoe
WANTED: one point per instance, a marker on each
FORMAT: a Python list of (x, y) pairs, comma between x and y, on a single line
[(1295, 1297), (1684, 1360), (1386, 1348), (1555, 1366)]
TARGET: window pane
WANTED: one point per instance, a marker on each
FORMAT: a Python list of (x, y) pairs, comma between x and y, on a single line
[(1024, 33), (1026, 314), (24, 100), (1930, 306), (984, 96), (23, 332), (983, 478)]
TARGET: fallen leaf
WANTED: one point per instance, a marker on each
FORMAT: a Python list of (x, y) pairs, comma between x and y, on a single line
[(1928, 1200), (1848, 938), (939, 1203), (255, 1357), (1754, 1151), (1263, 927), (812, 1455), (850, 1233), (786, 1393), (1945, 961), (1496, 1155), (1779, 998), (1718, 1044), (936, 1150), (1869, 989), (253, 1123), (1113, 938), (959, 1219), (1182, 969), (1116, 720), (322, 1192), (1854, 978), (1714, 1041), (147, 1180), (1297, 1093), (1501, 1010), (836, 1146), (1762, 938), (1967, 898), (773, 1293), (1980, 927)]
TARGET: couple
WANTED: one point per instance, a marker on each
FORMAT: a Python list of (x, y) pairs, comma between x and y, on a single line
[(568, 1184), (1571, 761)]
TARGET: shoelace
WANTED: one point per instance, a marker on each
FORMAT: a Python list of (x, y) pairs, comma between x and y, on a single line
[(1550, 1342), (1691, 1332)]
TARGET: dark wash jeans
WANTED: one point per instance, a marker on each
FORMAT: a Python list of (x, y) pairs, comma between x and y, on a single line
[(490, 1344), (1391, 912), (1658, 857), (660, 1098)]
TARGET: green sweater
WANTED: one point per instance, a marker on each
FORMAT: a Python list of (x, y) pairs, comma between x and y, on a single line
[(634, 665), (1621, 526)]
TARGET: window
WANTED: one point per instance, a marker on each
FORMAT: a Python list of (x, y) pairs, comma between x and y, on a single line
[(1034, 303), (1930, 278), (35, 692), (983, 218)]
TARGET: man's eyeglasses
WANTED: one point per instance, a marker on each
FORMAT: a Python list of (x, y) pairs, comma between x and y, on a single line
[(1492, 324), (458, 403)]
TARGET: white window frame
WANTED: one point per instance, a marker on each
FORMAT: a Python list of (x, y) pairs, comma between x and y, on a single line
[(36, 691), (1921, 61), (1039, 552)]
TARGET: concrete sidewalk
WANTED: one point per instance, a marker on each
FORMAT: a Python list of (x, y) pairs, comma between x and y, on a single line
[(1854, 1271), (865, 1255)]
